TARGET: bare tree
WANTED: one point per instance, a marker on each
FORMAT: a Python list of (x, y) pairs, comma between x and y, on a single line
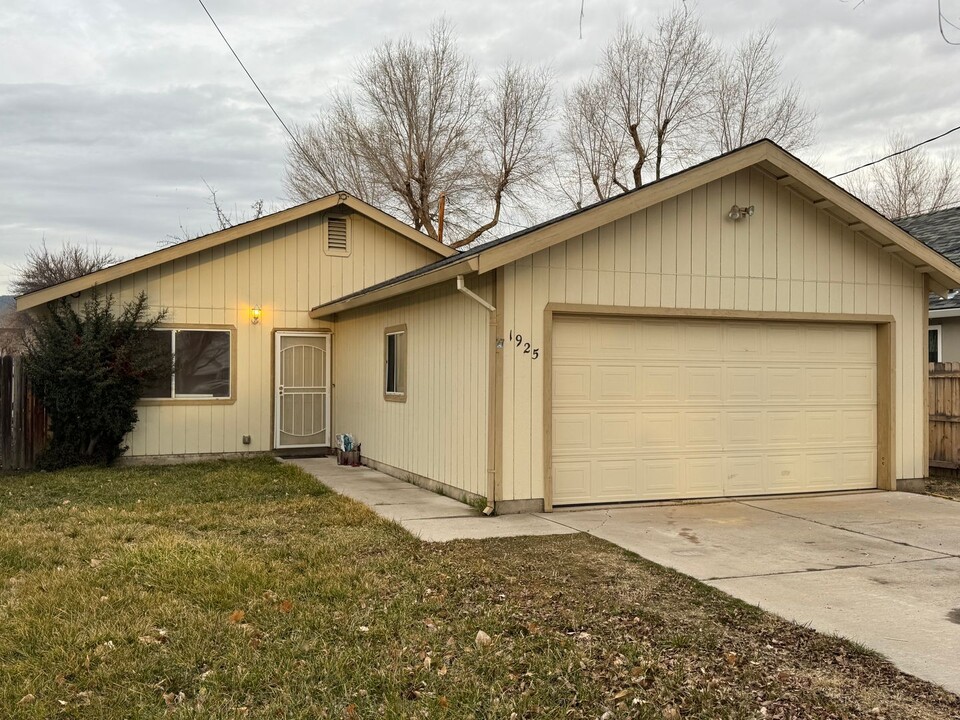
[(43, 267), (419, 123), (661, 102), (910, 183), (225, 218), (748, 100)]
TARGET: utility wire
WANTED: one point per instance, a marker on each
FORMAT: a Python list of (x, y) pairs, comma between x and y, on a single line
[(894, 154), (293, 137)]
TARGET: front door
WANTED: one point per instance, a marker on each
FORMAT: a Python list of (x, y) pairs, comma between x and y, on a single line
[(302, 408)]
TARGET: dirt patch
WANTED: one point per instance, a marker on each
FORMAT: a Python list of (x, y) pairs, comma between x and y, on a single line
[(943, 486)]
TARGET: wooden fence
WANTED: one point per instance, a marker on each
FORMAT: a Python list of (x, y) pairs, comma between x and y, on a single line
[(23, 422)]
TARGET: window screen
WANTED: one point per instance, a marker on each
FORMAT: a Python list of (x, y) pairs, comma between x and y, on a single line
[(201, 364)]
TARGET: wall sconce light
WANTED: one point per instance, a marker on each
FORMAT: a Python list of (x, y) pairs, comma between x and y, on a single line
[(738, 213), (255, 314)]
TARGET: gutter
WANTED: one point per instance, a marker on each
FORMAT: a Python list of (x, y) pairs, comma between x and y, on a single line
[(945, 313), (491, 392)]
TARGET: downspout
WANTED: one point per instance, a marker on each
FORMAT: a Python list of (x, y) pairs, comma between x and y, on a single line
[(491, 392)]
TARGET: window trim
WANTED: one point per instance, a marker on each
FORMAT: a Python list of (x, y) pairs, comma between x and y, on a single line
[(939, 329), (397, 396), (326, 235), (197, 399)]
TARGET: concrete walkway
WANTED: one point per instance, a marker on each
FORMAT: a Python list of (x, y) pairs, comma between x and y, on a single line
[(880, 568), (428, 515)]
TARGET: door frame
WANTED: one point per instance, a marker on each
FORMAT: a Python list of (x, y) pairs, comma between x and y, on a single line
[(279, 333), (886, 369)]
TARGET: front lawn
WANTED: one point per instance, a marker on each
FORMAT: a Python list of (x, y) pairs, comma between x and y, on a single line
[(246, 590)]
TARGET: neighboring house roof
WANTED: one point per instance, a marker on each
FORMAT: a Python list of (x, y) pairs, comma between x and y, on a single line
[(939, 230), (204, 242), (766, 155)]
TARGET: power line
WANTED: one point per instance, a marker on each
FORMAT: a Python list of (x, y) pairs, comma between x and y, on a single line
[(269, 104), (894, 154)]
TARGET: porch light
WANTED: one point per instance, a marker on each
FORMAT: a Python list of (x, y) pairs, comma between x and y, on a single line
[(255, 314), (738, 213)]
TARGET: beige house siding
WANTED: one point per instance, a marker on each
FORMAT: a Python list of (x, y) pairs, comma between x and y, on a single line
[(685, 253), (440, 431), (284, 270)]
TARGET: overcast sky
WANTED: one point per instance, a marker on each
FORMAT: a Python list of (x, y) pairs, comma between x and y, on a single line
[(112, 114)]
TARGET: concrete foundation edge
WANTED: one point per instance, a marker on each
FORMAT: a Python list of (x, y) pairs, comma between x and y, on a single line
[(436, 486), (514, 507), (134, 460), (913, 485)]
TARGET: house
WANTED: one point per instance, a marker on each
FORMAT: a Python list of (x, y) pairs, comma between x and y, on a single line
[(743, 327), (941, 231)]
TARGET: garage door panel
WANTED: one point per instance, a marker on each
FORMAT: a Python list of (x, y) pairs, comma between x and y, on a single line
[(784, 427), (823, 427), (571, 482), (661, 478), (703, 431), (615, 480), (614, 383), (785, 473), (685, 409), (571, 431), (742, 341), (858, 427), (704, 477), (743, 475), (743, 384), (571, 383), (660, 384), (784, 384), (659, 339), (859, 384), (660, 430), (615, 431), (821, 384), (703, 385), (744, 429), (702, 339)]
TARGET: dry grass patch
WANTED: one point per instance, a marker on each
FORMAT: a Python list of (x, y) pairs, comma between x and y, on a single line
[(944, 486), (245, 589)]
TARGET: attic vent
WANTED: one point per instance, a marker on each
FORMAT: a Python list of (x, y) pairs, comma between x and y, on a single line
[(338, 242)]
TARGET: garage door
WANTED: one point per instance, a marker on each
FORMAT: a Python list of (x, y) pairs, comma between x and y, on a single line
[(647, 409)]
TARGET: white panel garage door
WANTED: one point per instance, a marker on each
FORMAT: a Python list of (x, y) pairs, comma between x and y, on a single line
[(647, 409)]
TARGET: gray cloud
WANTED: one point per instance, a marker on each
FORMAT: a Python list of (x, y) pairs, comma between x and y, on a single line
[(111, 114)]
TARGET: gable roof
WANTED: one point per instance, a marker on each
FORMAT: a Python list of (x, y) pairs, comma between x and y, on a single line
[(939, 230), (765, 155), (204, 242)]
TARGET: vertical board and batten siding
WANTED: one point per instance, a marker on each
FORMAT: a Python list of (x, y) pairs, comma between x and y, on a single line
[(284, 270), (440, 431), (685, 253)]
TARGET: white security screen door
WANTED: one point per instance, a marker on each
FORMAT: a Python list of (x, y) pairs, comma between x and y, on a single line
[(302, 409)]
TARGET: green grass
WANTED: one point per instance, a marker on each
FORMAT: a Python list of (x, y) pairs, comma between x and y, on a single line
[(245, 589)]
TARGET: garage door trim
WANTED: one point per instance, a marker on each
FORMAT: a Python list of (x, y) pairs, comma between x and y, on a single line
[(886, 366)]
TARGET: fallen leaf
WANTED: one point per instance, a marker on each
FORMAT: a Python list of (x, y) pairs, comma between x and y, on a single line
[(482, 639), (443, 702), (730, 657), (286, 606), (237, 616), (671, 713), (27, 699), (350, 712), (426, 663)]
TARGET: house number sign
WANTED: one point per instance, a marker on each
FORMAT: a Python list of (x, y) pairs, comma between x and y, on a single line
[(516, 339)]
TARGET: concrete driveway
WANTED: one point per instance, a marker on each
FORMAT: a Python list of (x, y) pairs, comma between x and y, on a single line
[(881, 568)]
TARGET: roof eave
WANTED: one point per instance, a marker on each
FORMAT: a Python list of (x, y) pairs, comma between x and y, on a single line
[(401, 287)]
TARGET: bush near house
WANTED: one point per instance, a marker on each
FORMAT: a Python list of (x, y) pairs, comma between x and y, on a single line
[(89, 368)]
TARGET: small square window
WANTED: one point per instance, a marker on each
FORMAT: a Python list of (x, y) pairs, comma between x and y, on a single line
[(395, 363)]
